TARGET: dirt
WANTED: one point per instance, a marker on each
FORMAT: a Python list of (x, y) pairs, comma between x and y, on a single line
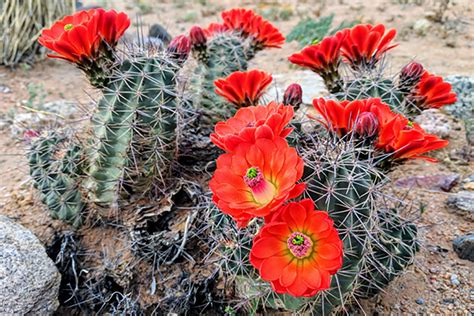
[(446, 48)]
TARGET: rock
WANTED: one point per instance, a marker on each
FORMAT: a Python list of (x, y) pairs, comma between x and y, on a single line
[(463, 109), (463, 202), (454, 280), (420, 301), (52, 114), (434, 182), (312, 85), (435, 122), (28, 277), (464, 247), (158, 31), (468, 183), (422, 26), (5, 89)]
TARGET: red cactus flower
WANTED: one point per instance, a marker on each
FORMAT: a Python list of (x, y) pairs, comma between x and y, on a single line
[(77, 37), (365, 44), (298, 250), (263, 33), (256, 179), (253, 122), (215, 28), (410, 76), (293, 95), (322, 58), (343, 117), (432, 92), (407, 140), (243, 88), (367, 125), (179, 47)]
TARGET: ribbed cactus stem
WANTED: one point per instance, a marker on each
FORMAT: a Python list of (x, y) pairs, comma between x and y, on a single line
[(134, 129)]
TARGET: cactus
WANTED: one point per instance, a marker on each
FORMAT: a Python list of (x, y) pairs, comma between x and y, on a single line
[(57, 178), (378, 244), (134, 130), (225, 53)]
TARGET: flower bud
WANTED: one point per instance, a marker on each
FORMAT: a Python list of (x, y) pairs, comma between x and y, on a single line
[(197, 37), (293, 95), (410, 76), (179, 48), (367, 124)]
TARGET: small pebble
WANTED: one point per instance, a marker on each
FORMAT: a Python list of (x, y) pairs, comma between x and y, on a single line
[(447, 301), (420, 301), (454, 280)]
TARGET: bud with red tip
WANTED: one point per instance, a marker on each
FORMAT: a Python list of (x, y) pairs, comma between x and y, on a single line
[(410, 76), (197, 37), (293, 95), (367, 125), (179, 48)]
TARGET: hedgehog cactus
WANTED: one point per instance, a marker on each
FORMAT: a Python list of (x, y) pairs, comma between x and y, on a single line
[(134, 137), (56, 172)]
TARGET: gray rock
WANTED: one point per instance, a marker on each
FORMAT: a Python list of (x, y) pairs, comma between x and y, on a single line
[(422, 26), (463, 109), (468, 183), (435, 122), (312, 85), (444, 182), (464, 247), (28, 277), (454, 280), (420, 301), (463, 202)]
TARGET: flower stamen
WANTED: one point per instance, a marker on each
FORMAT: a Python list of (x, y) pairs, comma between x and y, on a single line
[(68, 27), (300, 245)]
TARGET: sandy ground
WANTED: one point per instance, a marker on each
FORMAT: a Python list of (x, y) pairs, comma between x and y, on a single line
[(446, 48)]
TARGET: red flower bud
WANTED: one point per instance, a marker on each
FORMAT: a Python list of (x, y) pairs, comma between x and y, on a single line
[(179, 48), (293, 95), (367, 124), (410, 76), (197, 36)]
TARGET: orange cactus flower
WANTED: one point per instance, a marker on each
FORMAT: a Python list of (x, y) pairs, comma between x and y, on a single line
[(256, 179), (215, 28), (243, 88), (263, 33), (432, 92), (298, 250), (249, 123), (407, 140), (345, 116), (322, 58), (365, 44), (77, 37)]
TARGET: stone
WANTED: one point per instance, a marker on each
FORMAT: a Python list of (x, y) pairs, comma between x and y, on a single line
[(468, 183), (463, 203), (435, 122), (454, 280), (444, 182), (420, 301), (312, 85), (464, 247), (422, 26), (463, 109), (28, 277)]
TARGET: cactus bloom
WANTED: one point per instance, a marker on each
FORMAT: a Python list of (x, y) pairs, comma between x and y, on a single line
[(293, 95), (407, 140), (250, 123), (215, 28), (262, 32), (322, 58), (243, 88), (367, 125), (365, 44), (256, 179), (343, 117), (77, 37), (197, 37), (298, 250), (432, 92)]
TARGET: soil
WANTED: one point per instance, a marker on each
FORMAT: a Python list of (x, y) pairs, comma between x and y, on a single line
[(446, 48)]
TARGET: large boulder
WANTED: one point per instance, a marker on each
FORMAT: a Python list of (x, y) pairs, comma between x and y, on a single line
[(29, 280)]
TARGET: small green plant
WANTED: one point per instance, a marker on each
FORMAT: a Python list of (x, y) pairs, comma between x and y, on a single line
[(311, 31), (36, 95)]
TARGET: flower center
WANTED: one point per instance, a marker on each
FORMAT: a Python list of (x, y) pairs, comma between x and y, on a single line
[(68, 27), (410, 125), (300, 245), (253, 177)]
